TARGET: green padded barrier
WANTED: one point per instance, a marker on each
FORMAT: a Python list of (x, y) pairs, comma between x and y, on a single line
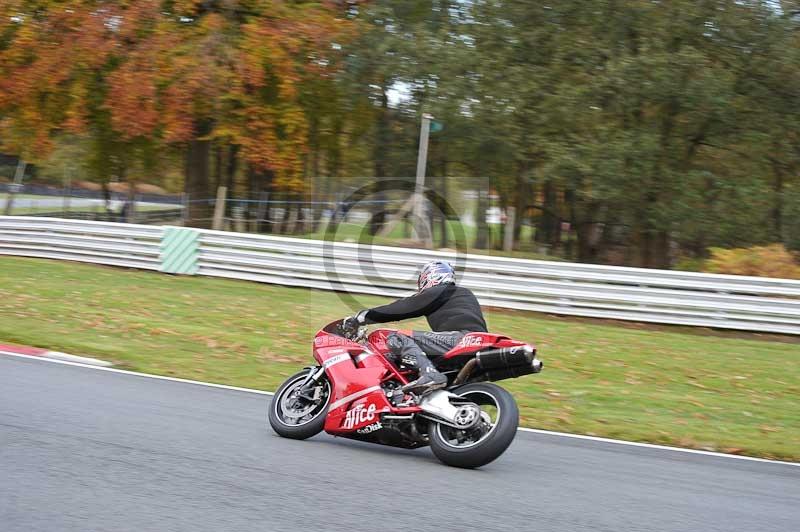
[(180, 250)]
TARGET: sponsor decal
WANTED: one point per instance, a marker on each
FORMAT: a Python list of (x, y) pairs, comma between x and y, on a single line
[(358, 415), (470, 341), (336, 359), (330, 341), (370, 428)]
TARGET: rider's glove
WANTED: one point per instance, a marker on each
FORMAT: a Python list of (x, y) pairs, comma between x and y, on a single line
[(352, 323)]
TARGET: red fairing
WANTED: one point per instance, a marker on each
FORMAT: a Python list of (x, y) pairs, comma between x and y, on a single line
[(377, 339), (356, 373), (473, 342)]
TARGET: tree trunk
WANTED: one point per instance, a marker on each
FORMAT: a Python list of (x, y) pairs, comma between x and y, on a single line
[(283, 225), (130, 211), (302, 224), (661, 254), (588, 234), (482, 228), (230, 176), (521, 199), (230, 169), (379, 154), (548, 231), (445, 210), (653, 248), (585, 237), (196, 182), (18, 176), (258, 183), (569, 199), (645, 248), (106, 199), (218, 156), (776, 212), (333, 163)]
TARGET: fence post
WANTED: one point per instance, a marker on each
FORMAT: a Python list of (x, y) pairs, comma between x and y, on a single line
[(185, 210), (508, 240), (16, 186), (262, 211), (219, 208)]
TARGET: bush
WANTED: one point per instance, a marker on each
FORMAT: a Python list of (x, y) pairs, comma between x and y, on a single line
[(773, 260), (791, 218), (7, 173), (689, 264)]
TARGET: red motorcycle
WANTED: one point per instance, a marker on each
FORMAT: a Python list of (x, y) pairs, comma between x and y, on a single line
[(356, 392)]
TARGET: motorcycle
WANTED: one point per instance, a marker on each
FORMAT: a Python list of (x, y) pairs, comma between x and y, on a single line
[(356, 391)]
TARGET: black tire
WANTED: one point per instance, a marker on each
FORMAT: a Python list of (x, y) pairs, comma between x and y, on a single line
[(490, 445), (309, 425)]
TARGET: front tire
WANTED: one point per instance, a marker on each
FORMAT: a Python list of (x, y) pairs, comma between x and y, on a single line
[(296, 417), (486, 442)]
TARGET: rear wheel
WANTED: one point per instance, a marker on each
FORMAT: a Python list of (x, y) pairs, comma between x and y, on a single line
[(488, 439), (296, 413)]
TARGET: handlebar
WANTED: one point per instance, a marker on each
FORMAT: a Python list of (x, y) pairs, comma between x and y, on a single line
[(337, 327)]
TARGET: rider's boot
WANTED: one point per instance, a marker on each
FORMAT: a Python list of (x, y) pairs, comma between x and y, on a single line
[(429, 379), (412, 356)]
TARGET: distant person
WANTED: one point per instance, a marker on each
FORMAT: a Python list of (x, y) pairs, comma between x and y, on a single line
[(125, 211), (111, 209)]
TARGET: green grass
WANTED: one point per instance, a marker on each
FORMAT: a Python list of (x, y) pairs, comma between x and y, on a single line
[(735, 393), (56, 209), (22, 211), (400, 236), (4, 196)]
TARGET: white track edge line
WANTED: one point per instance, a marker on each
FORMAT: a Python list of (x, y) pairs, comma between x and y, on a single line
[(136, 373), (521, 429), (656, 446), (58, 355)]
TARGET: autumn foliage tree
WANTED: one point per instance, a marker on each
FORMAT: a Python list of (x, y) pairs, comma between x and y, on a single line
[(186, 73), (635, 132), (49, 57)]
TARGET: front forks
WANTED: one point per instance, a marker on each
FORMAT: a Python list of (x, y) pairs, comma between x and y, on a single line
[(309, 385)]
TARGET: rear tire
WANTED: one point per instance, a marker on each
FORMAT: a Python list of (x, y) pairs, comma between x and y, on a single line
[(285, 410), (489, 442)]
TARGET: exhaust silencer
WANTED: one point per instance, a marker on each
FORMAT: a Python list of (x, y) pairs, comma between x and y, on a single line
[(507, 363), (505, 357)]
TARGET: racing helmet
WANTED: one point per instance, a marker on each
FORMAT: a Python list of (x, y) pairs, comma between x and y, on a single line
[(435, 273)]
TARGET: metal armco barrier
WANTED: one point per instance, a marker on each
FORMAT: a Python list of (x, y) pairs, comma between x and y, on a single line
[(657, 296)]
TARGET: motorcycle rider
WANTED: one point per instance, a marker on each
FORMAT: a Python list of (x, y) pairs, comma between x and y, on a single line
[(451, 311)]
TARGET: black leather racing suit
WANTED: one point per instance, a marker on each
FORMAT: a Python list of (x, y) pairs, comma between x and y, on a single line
[(451, 312)]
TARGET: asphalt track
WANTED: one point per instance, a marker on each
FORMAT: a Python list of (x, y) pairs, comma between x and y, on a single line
[(88, 450)]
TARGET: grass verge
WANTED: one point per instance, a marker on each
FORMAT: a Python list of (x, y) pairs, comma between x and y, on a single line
[(458, 235), (737, 393)]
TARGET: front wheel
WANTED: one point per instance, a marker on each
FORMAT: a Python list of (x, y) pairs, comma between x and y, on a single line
[(486, 441), (296, 413)]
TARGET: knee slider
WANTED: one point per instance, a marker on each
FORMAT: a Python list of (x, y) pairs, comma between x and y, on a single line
[(402, 349), (394, 342)]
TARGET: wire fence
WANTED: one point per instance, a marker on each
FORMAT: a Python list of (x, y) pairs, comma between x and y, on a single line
[(367, 219), (49, 191)]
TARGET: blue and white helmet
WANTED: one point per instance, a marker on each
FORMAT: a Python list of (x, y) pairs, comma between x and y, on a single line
[(435, 273)]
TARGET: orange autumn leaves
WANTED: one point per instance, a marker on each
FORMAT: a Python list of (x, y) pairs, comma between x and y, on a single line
[(46, 62), (159, 69)]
